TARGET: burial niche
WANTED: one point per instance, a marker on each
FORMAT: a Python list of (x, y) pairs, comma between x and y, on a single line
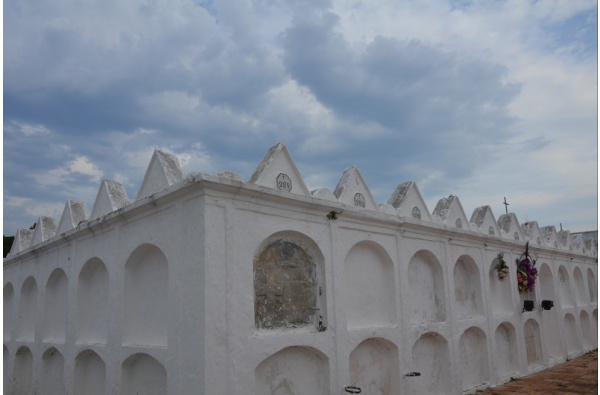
[(286, 287), (8, 302), (92, 306), (90, 374), (370, 297), (27, 310), (533, 347), (23, 372), (425, 301), (53, 372), (142, 374), (55, 307), (473, 358), (374, 367), (507, 362), (501, 300), (550, 318), (467, 288), (293, 370)]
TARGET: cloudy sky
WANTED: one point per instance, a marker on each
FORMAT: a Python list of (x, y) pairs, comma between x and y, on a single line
[(479, 99)]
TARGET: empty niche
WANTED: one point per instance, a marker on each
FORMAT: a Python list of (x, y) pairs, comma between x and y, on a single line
[(5, 370), (55, 307), (142, 374), (506, 352), (467, 288), (473, 358), (591, 279), (53, 373), (586, 330), (425, 299), (23, 372), (90, 374), (146, 297), (289, 290), (579, 287), (293, 370), (27, 310), (533, 346), (374, 367), (550, 318), (370, 296), (8, 305), (564, 287), (431, 359), (595, 326), (571, 334), (500, 290), (92, 303)]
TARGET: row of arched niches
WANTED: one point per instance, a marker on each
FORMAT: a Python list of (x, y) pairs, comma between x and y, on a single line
[(457, 314)]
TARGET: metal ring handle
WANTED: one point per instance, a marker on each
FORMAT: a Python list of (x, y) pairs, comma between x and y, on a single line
[(352, 389)]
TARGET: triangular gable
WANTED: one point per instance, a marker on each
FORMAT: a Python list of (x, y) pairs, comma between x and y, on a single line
[(323, 193), (591, 247), (21, 242), (45, 229), (531, 232), (162, 172), (352, 190), (483, 221), (577, 241), (408, 201), (111, 197), (549, 236), (74, 213), (509, 227), (277, 170), (564, 240), (449, 212)]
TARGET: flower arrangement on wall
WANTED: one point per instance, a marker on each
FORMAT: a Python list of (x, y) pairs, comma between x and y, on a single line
[(501, 267), (526, 271)]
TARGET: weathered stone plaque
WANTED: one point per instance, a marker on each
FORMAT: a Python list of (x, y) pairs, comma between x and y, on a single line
[(284, 287)]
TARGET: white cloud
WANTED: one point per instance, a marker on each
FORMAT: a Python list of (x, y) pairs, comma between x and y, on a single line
[(26, 129)]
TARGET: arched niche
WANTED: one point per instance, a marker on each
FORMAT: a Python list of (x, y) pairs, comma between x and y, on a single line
[(467, 288), (546, 282), (146, 297), (142, 374), (595, 326), (293, 370), (5, 370), (579, 287), (592, 289), (55, 308), (90, 374), (564, 287), (289, 283), (27, 310), (501, 293), (8, 306), (53, 373), (550, 319), (506, 352), (23, 372), (473, 358), (92, 307), (586, 331), (374, 367), (431, 358), (370, 297), (533, 345), (571, 334), (426, 298)]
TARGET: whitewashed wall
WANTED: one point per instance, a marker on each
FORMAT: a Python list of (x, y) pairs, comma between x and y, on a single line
[(158, 295)]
